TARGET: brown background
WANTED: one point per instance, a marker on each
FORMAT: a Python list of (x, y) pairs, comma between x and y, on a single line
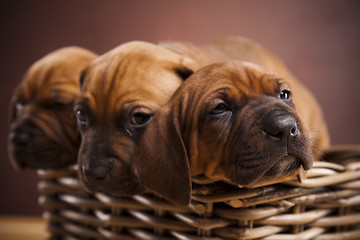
[(319, 40)]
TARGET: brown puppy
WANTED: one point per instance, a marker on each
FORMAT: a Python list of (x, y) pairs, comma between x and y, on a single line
[(124, 88), (233, 121), (121, 90), (43, 126)]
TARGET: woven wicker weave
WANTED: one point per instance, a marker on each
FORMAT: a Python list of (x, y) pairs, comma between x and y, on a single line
[(325, 206)]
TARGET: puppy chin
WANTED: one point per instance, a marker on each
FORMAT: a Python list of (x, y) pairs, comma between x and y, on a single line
[(122, 188), (43, 155), (288, 168), (285, 166), (126, 189), (57, 161), (299, 175), (123, 185)]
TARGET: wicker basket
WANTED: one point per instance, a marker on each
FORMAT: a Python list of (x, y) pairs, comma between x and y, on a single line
[(325, 206)]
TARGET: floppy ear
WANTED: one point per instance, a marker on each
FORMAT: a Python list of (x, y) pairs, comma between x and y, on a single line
[(82, 77), (183, 72), (160, 161)]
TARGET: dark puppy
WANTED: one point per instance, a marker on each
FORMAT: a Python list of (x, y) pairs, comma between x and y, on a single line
[(43, 126), (231, 121)]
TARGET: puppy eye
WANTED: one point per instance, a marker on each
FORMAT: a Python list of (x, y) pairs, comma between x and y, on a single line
[(81, 116), (285, 95), (220, 108), (141, 118)]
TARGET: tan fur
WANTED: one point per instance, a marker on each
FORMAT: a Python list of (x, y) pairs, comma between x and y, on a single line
[(43, 126), (135, 77), (140, 77), (243, 49), (179, 143)]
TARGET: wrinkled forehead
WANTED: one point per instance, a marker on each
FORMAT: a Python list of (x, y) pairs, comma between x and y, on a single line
[(50, 80), (140, 78), (131, 66), (251, 80), (232, 81)]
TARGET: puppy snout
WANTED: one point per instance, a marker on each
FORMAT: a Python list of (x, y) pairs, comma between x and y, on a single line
[(98, 170), (282, 127), (21, 137), (95, 172)]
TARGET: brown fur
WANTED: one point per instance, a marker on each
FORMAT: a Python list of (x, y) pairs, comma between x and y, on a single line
[(185, 139), (43, 126), (119, 88), (133, 81)]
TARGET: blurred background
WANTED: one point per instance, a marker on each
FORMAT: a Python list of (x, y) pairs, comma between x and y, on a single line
[(318, 40)]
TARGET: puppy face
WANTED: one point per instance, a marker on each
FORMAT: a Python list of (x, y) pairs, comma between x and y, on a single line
[(121, 92), (43, 126), (229, 121), (250, 124)]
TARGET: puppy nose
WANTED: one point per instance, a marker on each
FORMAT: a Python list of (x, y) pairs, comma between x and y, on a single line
[(98, 170), (95, 173), (21, 137), (281, 126)]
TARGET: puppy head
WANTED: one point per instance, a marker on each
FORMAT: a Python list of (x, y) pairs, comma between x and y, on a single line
[(230, 121), (43, 126), (121, 92)]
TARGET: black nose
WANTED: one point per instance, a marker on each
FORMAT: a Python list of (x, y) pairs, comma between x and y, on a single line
[(280, 126), (21, 137), (95, 173), (97, 170)]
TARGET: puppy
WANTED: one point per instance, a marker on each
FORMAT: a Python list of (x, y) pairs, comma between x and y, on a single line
[(43, 126), (233, 121), (121, 91)]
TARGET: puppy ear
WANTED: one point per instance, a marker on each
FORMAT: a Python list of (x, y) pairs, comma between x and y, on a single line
[(82, 77), (160, 161), (183, 72)]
